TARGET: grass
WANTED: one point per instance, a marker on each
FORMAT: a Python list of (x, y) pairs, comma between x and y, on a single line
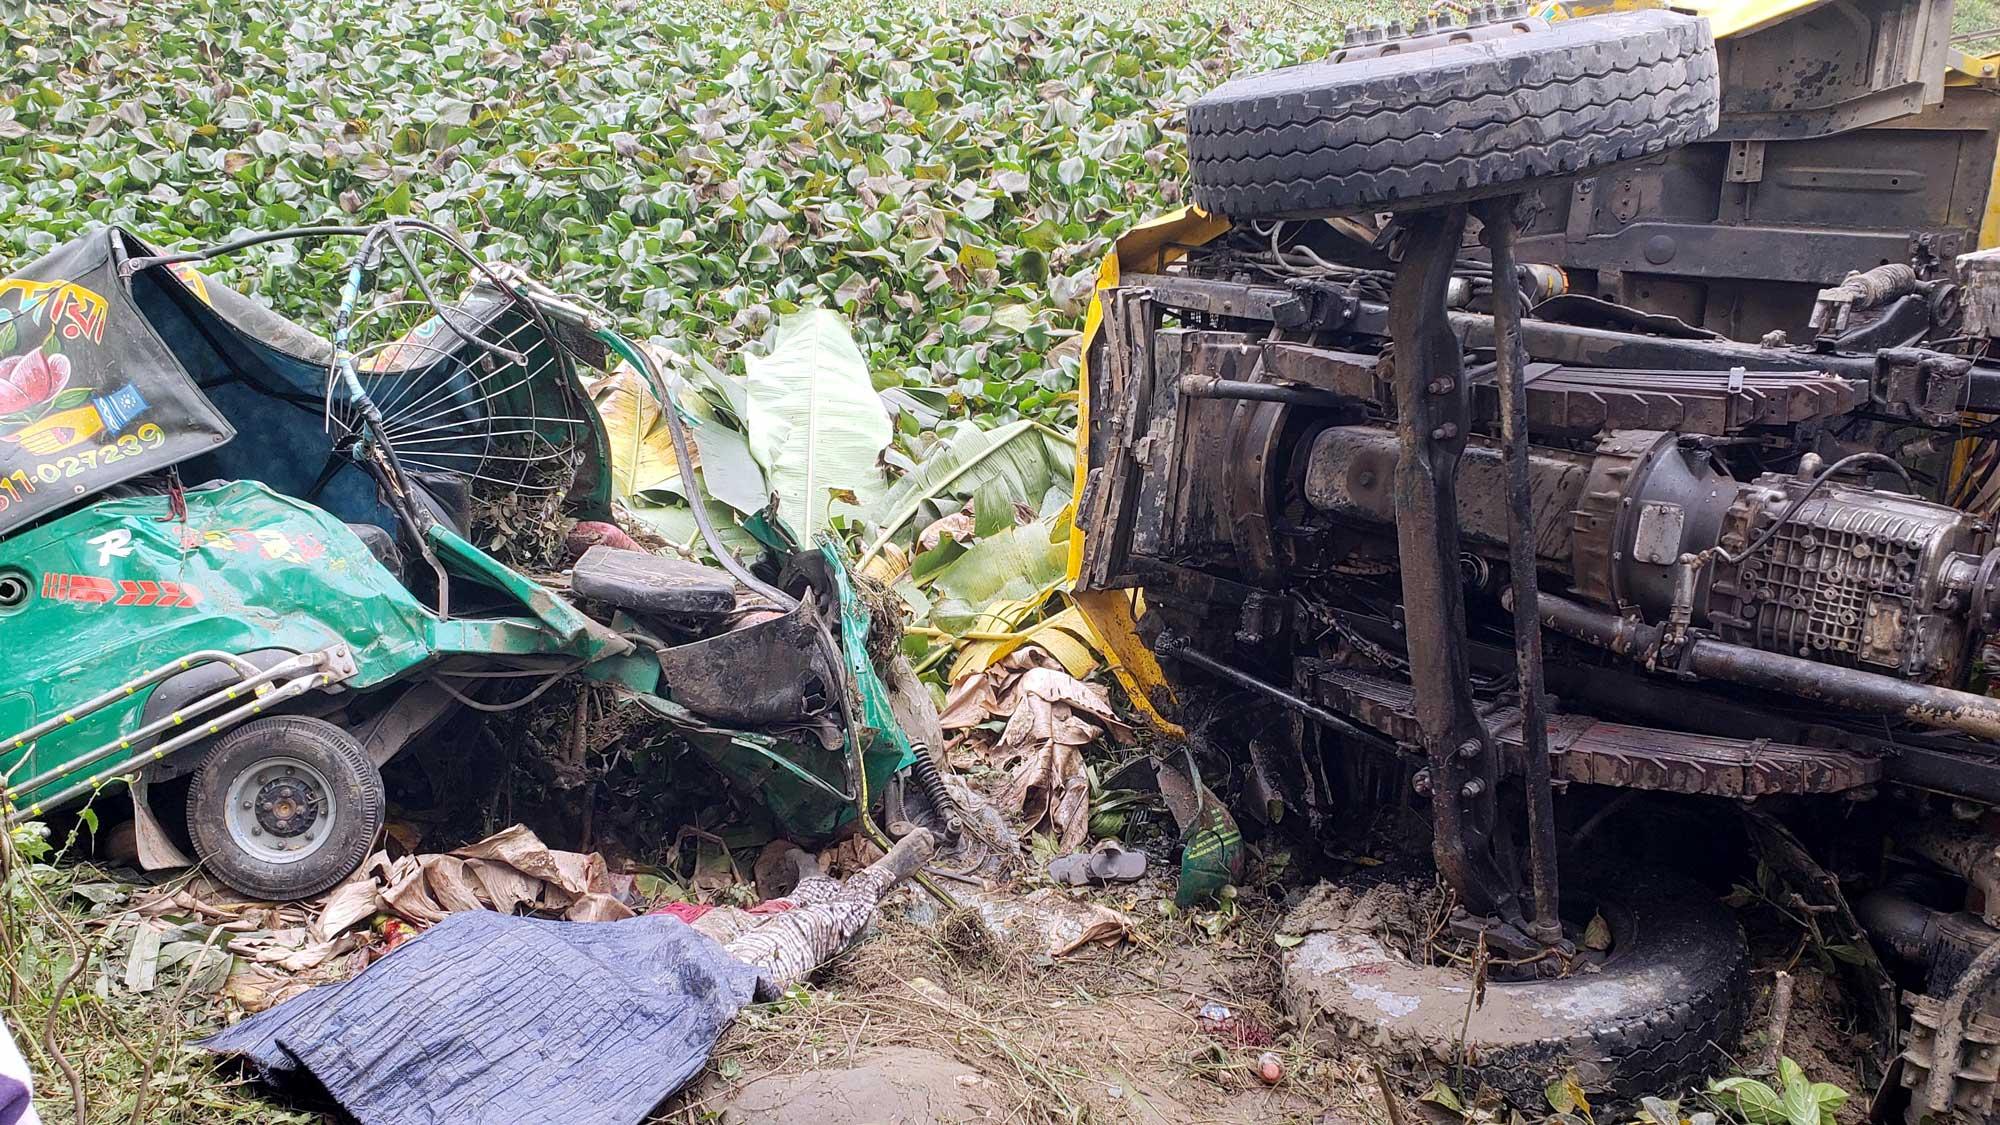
[(101, 1051)]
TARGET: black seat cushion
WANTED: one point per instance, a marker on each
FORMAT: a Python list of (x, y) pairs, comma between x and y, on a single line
[(646, 583)]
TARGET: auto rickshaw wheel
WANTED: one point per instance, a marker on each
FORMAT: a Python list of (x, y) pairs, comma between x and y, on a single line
[(285, 807)]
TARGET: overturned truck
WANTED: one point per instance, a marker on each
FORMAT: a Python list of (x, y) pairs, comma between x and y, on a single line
[(1569, 420)]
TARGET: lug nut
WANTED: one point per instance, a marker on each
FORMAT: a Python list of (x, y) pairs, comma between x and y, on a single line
[(1470, 748), (1445, 432), (1472, 789), (1441, 386), (1421, 782)]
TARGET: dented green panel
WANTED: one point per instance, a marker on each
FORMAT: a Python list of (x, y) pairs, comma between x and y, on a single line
[(122, 586), (798, 782)]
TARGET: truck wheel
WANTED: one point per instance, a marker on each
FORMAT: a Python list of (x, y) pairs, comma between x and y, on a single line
[(1439, 119), (285, 807), (1657, 1015)]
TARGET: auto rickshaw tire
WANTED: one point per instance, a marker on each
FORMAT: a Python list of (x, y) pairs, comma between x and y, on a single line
[(1657, 1016), (1453, 122), (353, 790)]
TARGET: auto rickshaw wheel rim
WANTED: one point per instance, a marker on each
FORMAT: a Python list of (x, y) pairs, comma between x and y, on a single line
[(280, 809)]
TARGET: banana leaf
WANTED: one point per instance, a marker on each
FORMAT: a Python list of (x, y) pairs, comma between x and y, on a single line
[(1023, 458), (642, 453), (1016, 564), (722, 454), (1066, 636), (814, 422)]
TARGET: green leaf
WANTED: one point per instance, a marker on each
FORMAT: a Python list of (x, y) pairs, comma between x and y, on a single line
[(937, 558), (926, 405), (70, 398), (1443, 1095), (992, 508), (1796, 1100), (1660, 1111), (1750, 1100), (1565, 1095), (676, 524), (1830, 1098), (1025, 458), (814, 422), (727, 471), (142, 962), (1015, 564)]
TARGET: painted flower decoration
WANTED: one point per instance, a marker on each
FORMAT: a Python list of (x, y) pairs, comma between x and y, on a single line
[(30, 381)]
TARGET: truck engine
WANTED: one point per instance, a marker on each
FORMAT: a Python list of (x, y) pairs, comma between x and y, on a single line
[(1654, 524), (1752, 501), (1766, 571)]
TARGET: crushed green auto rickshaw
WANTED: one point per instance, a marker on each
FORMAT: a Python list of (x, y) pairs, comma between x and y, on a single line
[(242, 560)]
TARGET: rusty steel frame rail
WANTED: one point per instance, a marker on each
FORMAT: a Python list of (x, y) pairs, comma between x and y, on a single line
[(1510, 358), (1433, 411)]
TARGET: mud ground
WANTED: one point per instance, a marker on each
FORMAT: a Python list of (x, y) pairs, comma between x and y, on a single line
[(905, 1029)]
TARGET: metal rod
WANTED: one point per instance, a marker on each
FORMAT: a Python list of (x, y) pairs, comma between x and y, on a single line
[(1622, 635), (134, 265), (684, 462), (1509, 358), (1846, 688), (1177, 648), (1208, 386), (440, 309), (1976, 715), (124, 690), (288, 690), (214, 699)]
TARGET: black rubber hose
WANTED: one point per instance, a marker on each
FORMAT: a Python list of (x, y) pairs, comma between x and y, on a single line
[(684, 461)]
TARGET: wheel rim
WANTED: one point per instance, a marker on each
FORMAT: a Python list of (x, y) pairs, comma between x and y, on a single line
[(280, 810)]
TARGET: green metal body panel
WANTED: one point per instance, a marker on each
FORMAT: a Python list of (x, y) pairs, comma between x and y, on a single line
[(890, 744), (122, 586), (800, 783), (550, 626)]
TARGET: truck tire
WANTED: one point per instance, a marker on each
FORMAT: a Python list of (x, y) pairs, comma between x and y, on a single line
[(285, 807), (1658, 1015), (1454, 120)]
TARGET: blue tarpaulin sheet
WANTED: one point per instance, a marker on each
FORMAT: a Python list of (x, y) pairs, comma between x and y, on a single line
[(492, 1018)]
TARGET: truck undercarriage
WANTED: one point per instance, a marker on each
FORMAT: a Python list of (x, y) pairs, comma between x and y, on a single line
[(1588, 552)]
